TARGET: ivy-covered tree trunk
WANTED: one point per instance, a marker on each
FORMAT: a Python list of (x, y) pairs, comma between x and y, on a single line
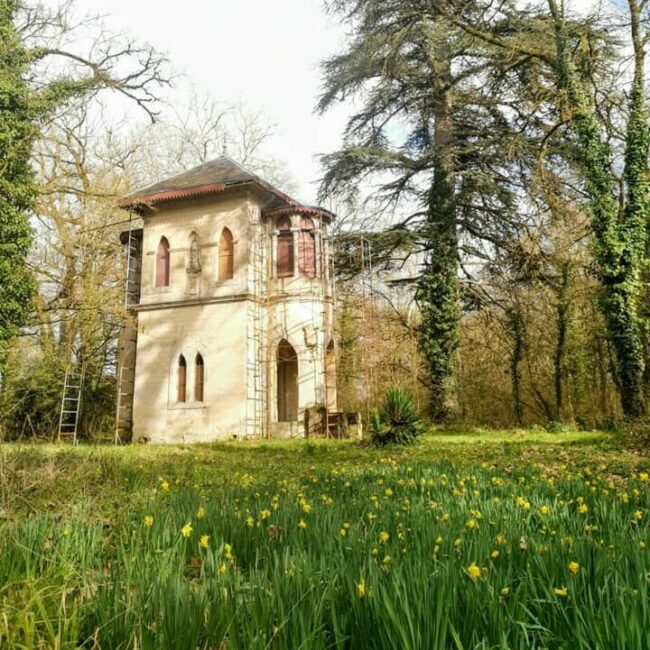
[(438, 289), (17, 184), (620, 236)]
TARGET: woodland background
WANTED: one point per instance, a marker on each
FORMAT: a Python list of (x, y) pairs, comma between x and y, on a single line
[(492, 190)]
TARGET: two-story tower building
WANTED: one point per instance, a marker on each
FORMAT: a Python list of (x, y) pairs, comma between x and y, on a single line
[(230, 288)]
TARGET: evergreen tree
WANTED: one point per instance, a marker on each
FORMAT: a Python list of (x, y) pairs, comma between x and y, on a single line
[(420, 76)]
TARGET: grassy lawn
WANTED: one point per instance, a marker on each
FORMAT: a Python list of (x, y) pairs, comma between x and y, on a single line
[(466, 540)]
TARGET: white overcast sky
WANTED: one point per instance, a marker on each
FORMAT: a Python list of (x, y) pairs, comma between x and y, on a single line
[(264, 53)]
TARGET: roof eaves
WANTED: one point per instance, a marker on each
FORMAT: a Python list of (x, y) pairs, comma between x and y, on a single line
[(299, 209), (170, 195)]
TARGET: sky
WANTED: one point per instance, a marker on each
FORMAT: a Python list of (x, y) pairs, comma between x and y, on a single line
[(263, 53)]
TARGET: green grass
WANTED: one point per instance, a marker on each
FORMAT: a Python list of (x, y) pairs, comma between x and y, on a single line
[(80, 567)]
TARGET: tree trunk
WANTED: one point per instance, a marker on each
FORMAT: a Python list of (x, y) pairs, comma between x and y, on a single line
[(620, 239), (438, 290), (516, 327), (562, 310)]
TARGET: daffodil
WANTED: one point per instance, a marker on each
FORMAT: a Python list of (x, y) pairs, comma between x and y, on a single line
[(302, 524), (148, 521), (186, 530), (383, 536), (200, 513), (204, 541), (561, 592), (495, 554), (361, 590), (574, 567), (474, 572)]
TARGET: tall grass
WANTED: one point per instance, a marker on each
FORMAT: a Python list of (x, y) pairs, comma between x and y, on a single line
[(375, 558)]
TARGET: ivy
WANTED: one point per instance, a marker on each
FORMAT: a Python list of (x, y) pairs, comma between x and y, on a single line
[(620, 235), (18, 114)]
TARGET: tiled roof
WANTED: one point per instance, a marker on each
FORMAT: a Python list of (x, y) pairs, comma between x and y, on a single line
[(209, 178)]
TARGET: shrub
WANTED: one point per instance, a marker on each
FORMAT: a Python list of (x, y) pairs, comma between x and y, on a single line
[(397, 421)]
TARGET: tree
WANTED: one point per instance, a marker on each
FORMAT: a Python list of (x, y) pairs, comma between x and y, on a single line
[(40, 75), (607, 133), (440, 144), (620, 232), (18, 114)]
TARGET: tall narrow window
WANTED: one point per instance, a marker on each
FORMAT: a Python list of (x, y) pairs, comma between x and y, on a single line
[(198, 378), (285, 249), (162, 263), (307, 249), (226, 255), (181, 387), (287, 382)]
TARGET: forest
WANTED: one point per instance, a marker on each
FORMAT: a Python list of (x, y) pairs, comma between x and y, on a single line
[(491, 187)]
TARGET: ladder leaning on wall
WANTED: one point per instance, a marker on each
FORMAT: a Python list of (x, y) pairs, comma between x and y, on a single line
[(71, 404), (256, 334), (128, 338)]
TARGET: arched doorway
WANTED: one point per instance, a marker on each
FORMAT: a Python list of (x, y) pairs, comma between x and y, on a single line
[(287, 382)]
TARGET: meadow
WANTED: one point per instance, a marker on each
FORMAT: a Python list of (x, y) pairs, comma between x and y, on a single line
[(465, 540)]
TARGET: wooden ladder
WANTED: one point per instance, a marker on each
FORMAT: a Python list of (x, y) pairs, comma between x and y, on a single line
[(70, 405)]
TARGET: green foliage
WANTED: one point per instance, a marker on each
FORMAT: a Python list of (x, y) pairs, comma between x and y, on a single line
[(74, 580), (408, 63), (397, 421), (620, 239), (30, 400), (17, 185)]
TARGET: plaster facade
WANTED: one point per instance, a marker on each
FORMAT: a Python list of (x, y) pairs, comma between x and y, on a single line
[(236, 325)]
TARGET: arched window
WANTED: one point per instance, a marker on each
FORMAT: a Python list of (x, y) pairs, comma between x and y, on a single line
[(181, 386), (162, 263), (198, 378), (307, 249), (226, 255), (285, 249), (287, 382)]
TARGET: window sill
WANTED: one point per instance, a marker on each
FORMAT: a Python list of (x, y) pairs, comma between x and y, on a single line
[(186, 406), (231, 282)]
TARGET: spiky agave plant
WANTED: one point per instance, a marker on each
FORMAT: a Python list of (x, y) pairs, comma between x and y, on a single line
[(397, 421)]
